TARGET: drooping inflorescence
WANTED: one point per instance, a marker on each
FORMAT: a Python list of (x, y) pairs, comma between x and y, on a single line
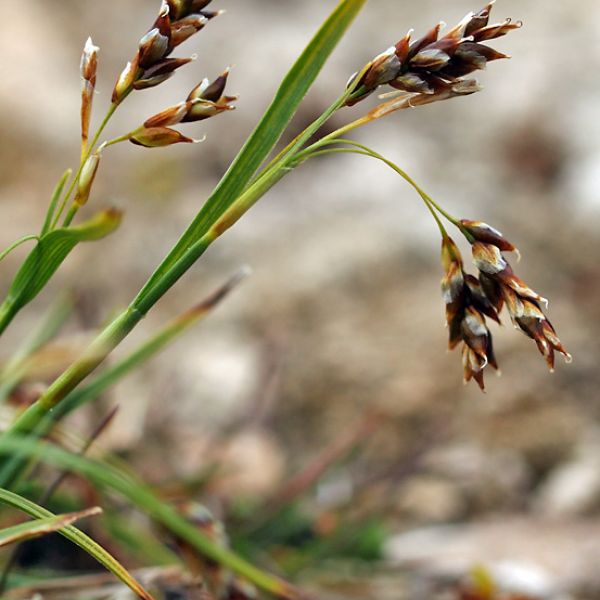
[(434, 68), (469, 300)]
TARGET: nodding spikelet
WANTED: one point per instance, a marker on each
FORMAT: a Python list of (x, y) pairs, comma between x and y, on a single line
[(524, 304), (466, 311), (470, 300), (434, 65), (89, 67)]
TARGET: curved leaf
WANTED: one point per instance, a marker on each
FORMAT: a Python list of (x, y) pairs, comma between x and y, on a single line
[(43, 526), (47, 256), (109, 477), (274, 122), (77, 537)]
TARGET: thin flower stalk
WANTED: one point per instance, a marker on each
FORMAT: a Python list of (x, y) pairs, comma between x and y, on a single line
[(429, 69), (151, 66)]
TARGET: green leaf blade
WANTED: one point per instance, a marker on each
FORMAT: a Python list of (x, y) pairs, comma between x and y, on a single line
[(47, 256), (293, 89), (79, 538), (42, 526)]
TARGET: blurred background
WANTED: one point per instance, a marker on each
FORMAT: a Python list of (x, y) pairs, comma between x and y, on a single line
[(334, 352)]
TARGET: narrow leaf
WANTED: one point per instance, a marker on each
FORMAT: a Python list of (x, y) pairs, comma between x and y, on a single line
[(44, 526), (274, 122), (47, 256), (79, 538), (16, 368), (109, 477), (15, 245), (56, 194)]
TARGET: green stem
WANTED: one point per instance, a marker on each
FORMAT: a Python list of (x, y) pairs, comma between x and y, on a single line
[(90, 148), (96, 353), (366, 151), (26, 238), (116, 332), (179, 262), (54, 200)]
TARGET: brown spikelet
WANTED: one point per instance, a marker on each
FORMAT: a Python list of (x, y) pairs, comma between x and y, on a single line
[(206, 100), (434, 65), (89, 67), (466, 310)]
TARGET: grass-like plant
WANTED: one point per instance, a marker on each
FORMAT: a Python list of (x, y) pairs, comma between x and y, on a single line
[(420, 71)]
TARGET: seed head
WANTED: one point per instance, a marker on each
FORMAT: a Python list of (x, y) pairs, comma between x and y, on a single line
[(160, 72), (434, 65), (86, 178), (126, 80), (185, 28), (177, 21), (466, 310), (89, 62), (89, 67), (482, 232), (158, 137), (183, 8), (501, 286), (155, 44), (205, 101)]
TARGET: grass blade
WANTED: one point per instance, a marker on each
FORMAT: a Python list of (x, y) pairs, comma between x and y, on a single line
[(16, 368), (274, 122), (148, 349), (44, 526), (79, 538), (15, 245), (47, 256), (108, 477)]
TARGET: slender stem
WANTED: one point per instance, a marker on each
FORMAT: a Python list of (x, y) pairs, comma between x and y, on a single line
[(90, 148), (159, 284), (303, 137), (70, 215), (58, 190), (363, 150), (96, 353), (334, 135), (14, 245), (121, 138)]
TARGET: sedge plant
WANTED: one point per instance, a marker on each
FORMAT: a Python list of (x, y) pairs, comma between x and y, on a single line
[(412, 73)]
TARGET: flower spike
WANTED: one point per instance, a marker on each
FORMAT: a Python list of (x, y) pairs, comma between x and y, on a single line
[(89, 67), (466, 309), (500, 286), (206, 100), (434, 65), (177, 21)]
